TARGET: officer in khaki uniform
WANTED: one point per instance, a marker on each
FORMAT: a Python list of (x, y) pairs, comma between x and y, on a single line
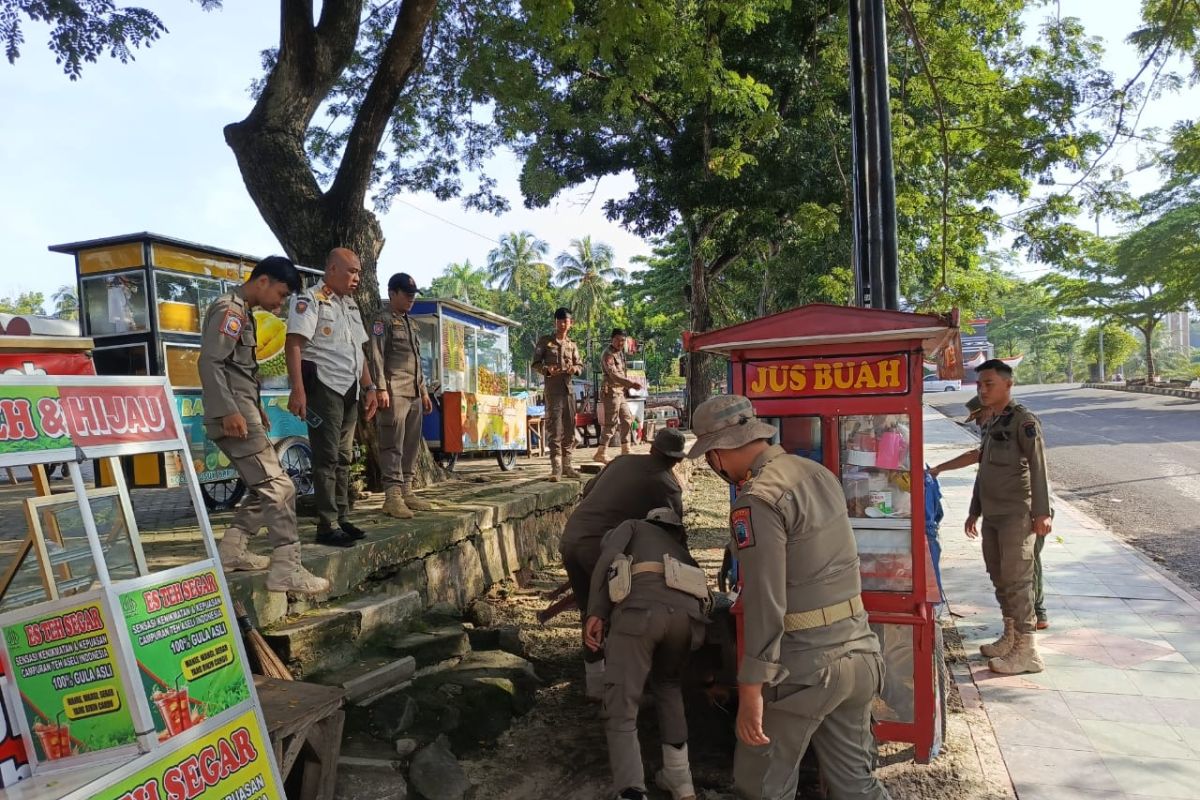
[(235, 421), (557, 358), (652, 629), (612, 395), (626, 489), (811, 665), (403, 398), (1013, 495), (328, 373)]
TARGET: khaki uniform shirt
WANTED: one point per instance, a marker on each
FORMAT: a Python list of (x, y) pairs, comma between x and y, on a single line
[(615, 379), (628, 488), (550, 352), (644, 541), (1012, 467), (396, 355), (796, 552), (228, 367), (334, 329)]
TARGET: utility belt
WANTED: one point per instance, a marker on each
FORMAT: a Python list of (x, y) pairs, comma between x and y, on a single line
[(821, 617), (678, 575)]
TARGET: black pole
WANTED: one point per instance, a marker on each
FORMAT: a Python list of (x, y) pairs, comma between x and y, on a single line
[(859, 159), (887, 172)]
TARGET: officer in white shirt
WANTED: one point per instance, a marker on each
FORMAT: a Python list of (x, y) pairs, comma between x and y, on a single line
[(327, 371)]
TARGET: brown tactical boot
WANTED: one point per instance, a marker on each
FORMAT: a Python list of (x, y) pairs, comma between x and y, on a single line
[(234, 555), (415, 503), (394, 505), (555, 469), (287, 574), (1022, 658), (1003, 645), (601, 454), (567, 472)]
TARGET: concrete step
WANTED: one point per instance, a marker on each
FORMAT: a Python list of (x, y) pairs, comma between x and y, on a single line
[(431, 646), (370, 677)]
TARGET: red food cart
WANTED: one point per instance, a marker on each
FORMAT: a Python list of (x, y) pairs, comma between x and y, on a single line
[(843, 387)]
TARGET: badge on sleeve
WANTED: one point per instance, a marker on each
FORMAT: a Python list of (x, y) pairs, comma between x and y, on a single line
[(301, 306), (1030, 429), (377, 328), (231, 326), (739, 523)]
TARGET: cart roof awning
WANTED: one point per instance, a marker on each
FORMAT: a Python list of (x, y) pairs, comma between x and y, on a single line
[(463, 307), (822, 323), (145, 236)]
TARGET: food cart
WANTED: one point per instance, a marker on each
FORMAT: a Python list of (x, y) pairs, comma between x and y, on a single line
[(142, 300), (466, 359), (843, 387), (122, 683)]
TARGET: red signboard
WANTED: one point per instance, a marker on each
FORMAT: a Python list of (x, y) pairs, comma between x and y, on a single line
[(45, 364), (827, 377), (48, 417)]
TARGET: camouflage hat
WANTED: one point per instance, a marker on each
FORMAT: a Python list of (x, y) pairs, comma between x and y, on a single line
[(670, 442), (664, 516), (725, 423)]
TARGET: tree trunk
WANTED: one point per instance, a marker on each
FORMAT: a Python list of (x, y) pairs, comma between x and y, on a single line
[(698, 382), (1148, 332)]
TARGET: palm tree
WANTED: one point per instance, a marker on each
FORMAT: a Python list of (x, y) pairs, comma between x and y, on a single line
[(587, 272), (66, 304), (461, 281), (517, 261)]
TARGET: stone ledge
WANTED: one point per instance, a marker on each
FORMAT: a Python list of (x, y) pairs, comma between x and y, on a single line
[(1166, 391)]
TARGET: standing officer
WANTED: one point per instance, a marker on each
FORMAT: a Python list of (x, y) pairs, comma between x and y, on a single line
[(327, 368), (981, 416), (612, 395), (557, 358), (626, 489), (1013, 495), (235, 421), (811, 665), (403, 398), (654, 628)]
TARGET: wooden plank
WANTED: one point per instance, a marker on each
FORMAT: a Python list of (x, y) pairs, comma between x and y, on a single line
[(292, 706)]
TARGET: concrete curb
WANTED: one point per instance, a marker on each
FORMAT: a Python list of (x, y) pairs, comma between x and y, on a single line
[(1186, 394)]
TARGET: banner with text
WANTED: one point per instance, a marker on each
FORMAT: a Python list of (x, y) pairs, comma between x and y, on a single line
[(44, 417), (827, 377)]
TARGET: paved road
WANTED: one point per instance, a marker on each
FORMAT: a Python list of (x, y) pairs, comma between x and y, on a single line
[(1132, 460)]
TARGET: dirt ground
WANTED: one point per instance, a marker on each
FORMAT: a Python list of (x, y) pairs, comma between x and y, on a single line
[(558, 751)]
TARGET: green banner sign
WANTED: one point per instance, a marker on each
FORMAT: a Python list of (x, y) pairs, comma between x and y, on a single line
[(64, 667), (183, 640)]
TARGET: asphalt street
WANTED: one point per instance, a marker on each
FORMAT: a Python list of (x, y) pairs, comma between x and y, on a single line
[(1132, 460)]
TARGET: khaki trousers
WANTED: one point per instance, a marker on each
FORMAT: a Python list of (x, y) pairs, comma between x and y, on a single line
[(579, 560), (1008, 553), (616, 414), (832, 709), (560, 426), (272, 495), (643, 643), (399, 440)]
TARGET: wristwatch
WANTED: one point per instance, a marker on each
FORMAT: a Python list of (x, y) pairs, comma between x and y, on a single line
[(371, 388)]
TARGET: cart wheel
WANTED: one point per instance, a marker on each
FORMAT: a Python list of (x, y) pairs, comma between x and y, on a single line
[(222, 495), (507, 459), (447, 461), (295, 456)]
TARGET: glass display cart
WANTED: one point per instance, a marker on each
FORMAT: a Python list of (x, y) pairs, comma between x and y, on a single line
[(142, 300), (843, 387), (467, 363)]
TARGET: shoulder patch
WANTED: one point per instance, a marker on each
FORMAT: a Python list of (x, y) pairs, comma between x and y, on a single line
[(231, 326), (377, 328), (301, 306), (739, 525), (1031, 429)]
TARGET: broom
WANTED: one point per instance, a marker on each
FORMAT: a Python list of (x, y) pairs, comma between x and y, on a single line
[(266, 661)]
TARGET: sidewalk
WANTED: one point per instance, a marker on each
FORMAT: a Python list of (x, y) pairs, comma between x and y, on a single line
[(1116, 713)]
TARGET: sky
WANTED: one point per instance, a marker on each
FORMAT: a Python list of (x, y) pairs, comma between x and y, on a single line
[(139, 147)]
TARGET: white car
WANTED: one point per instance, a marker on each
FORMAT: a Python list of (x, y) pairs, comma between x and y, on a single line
[(935, 384)]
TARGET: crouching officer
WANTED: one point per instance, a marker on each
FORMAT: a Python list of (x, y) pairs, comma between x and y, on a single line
[(403, 398), (235, 421), (811, 665), (656, 596)]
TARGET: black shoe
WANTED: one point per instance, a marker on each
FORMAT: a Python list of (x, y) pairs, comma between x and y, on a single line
[(334, 537), (632, 794), (351, 530)]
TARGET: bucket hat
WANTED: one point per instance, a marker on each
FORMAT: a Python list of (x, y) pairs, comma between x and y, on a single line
[(725, 423)]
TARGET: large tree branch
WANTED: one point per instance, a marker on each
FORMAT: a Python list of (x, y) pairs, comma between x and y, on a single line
[(401, 58)]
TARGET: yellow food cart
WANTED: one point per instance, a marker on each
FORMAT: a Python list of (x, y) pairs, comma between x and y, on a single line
[(142, 299)]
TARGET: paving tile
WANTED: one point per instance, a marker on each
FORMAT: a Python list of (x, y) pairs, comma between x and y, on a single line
[(1163, 684), (1112, 707), (1136, 739), (1191, 736), (1169, 608), (1168, 664), (1034, 791), (1184, 642), (1114, 605), (1105, 680), (1046, 730), (1156, 777), (1173, 624), (1048, 766), (984, 678), (1177, 712)]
